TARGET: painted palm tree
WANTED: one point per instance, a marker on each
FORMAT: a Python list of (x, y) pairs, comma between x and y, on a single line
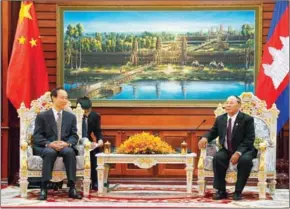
[(158, 51), (134, 53), (75, 38), (183, 51), (248, 31), (69, 37), (68, 51), (80, 30)]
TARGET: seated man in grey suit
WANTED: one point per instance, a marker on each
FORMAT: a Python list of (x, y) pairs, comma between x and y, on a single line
[(55, 134)]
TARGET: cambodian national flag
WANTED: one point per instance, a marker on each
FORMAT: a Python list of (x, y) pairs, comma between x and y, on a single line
[(273, 79)]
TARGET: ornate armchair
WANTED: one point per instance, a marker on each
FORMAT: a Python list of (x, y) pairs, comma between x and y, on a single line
[(31, 165), (264, 166)]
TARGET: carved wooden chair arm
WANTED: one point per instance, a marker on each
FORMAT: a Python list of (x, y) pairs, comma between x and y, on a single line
[(87, 145), (23, 155), (201, 161), (262, 149)]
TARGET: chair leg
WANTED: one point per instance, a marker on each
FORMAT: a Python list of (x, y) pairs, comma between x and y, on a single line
[(201, 187), (86, 187), (262, 190), (272, 186), (23, 187), (101, 174), (106, 185), (78, 184)]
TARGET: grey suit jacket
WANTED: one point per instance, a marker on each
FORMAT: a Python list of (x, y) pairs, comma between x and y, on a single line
[(46, 130)]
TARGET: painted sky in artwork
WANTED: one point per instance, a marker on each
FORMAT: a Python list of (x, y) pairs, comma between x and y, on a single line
[(157, 21)]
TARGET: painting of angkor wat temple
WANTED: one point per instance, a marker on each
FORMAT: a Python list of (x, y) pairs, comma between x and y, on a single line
[(158, 55)]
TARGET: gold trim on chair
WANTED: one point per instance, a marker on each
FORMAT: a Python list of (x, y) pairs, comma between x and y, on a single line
[(27, 117), (258, 108)]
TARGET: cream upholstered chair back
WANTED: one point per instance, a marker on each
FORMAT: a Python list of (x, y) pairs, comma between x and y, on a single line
[(257, 108), (43, 103), (265, 123)]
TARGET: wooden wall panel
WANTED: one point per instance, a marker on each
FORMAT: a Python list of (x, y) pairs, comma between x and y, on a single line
[(161, 121), (5, 47), (8, 119), (136, 118), (119, 123), (114, 137), (175, 138)]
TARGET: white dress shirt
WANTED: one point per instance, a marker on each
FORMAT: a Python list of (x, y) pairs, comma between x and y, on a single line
[(55, 117), (55, 114)]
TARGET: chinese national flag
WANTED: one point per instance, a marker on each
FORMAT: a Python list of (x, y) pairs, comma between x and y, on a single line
[(27, 77)]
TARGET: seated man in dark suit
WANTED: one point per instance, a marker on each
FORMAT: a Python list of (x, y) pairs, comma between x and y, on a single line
[(55, 134), (91, 129), (236, 135)]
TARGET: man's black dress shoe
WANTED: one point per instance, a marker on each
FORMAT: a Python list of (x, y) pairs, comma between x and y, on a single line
[(43, 194), (72, 193), (237, 196), (220, 195)]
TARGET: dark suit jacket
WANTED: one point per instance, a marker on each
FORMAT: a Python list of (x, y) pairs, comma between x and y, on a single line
[(46, 130), (243, 133), (94, 125)]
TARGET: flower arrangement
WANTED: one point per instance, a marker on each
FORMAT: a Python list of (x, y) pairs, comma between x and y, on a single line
[(145, 143), (257, 142)]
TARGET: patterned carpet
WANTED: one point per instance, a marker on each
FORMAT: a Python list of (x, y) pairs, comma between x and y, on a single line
[(144, 195)]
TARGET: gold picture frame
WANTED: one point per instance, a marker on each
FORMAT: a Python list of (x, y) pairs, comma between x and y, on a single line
[(153, 102)]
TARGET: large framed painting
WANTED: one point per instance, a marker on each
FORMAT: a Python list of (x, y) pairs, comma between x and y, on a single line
[(158, 56)]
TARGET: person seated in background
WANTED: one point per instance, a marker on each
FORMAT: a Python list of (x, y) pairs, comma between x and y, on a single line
[(55, 134), (236, 134), (91, 129)]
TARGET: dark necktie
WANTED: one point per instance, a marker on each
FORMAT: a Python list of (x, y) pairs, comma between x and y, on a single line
[(229, 135), (84, 127)]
